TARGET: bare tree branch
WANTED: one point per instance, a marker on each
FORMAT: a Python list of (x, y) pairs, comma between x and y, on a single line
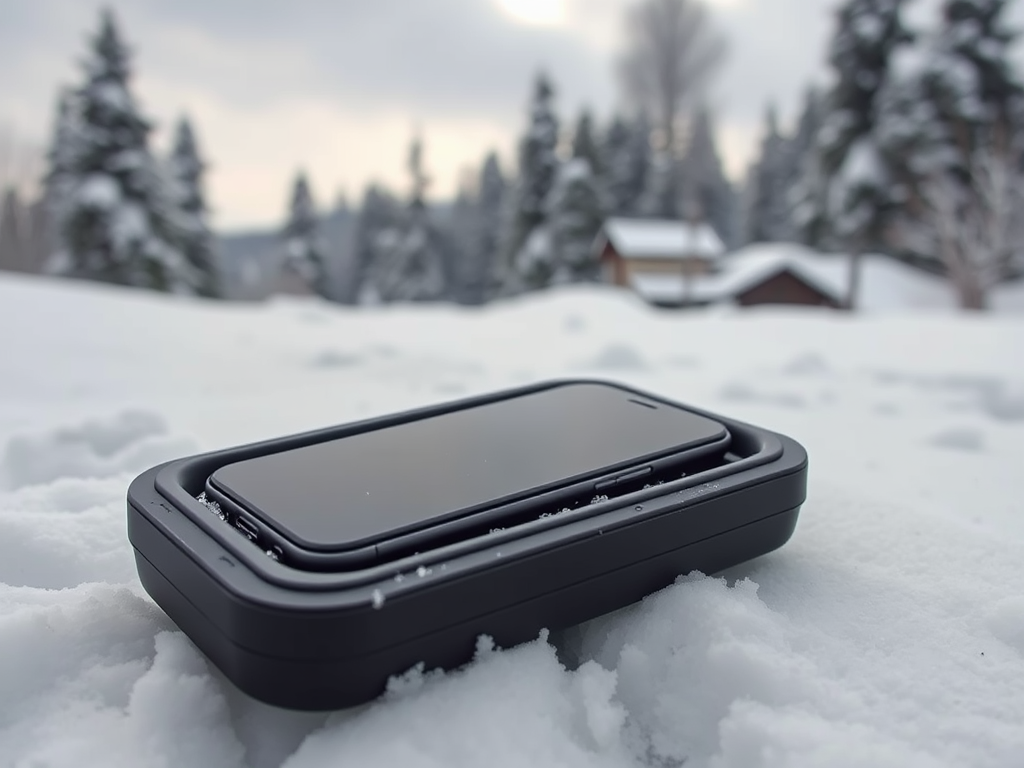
[(978, 227), (671, 52)]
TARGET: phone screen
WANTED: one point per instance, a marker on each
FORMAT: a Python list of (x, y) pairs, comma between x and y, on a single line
[(358, 489)]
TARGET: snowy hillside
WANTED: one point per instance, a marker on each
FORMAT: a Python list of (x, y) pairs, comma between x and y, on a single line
[(888, 632)]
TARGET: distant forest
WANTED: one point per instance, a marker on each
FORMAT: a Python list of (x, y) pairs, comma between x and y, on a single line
[(915, 149)]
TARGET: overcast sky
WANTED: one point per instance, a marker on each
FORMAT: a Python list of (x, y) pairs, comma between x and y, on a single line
[(338, 87)]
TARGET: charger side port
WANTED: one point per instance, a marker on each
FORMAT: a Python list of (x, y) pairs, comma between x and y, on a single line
[(249, 530)]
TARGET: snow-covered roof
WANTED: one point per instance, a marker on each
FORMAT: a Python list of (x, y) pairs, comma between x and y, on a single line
[(886, 284), (661, 239)]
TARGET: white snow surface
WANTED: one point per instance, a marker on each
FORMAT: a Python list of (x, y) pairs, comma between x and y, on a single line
[(888, 632), (886, 285)]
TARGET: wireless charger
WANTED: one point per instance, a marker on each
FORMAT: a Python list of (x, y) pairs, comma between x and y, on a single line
[(318, 640)]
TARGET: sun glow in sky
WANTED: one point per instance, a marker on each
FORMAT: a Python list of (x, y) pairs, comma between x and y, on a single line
[(544, 13)]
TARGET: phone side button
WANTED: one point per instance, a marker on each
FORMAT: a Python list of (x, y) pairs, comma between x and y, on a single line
[(605, 485), (634, 475)]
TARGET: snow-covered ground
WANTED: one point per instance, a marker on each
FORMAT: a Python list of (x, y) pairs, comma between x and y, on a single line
[(888, 632)]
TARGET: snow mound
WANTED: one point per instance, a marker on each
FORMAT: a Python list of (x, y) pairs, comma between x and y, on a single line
[(128, 442), (1006, 622), (618, 357), (1005, 403), (889, 631), (962, 439)]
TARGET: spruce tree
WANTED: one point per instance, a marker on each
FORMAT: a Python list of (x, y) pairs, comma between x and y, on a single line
[(186, 169), (952, 129), (627, 154), (975, 86), (415, 265), (708, 195), (767, 218), (459, 230), (806, 208), (487, 220), (59, 177), (11, 231), (576, 214), (119, 224), (376, 228), (854, 182), (662, 196), (538, 163), (616, 143), (304, 250), (962, 95), (585, 145)]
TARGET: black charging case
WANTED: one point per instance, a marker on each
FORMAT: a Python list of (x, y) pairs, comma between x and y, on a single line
[(318, 640)]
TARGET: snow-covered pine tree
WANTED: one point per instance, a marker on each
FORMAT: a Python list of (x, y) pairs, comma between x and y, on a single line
[(627, 154), (413, 269), (118, 224), (186, 168), (662, 196), (807, 210), (416, 266), (708, 195), (804, 141), (855, 180), (12, 226), (303, 246), (58, 180), (616, 147), (767, 217), (952, 126), (458, 228), (538, 163), (481, 253), (585, 144), (576, 214), (377, 228)]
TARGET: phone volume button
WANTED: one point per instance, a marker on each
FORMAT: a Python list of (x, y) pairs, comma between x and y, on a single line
[(634, 475)]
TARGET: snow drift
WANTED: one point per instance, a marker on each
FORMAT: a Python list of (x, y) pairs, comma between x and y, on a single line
[(889, 631)]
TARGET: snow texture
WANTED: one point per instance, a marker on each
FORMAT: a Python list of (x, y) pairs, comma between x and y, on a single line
[(888, 632), (886, 284), (662, 239)]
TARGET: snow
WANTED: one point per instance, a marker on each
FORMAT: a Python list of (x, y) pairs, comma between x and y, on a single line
[(1009, 296), (886, 284), (128, 225), (661, 239), (889, 631), (99, 191), (863, 166), (574, 169), (868, 28)]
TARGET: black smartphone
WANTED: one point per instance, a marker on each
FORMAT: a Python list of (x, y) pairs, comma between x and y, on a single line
[(354, 500)]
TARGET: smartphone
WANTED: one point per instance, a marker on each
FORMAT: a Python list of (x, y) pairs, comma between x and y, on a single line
[(355, 500)]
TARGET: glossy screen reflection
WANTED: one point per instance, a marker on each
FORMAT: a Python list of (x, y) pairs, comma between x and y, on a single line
[(354, 490)]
